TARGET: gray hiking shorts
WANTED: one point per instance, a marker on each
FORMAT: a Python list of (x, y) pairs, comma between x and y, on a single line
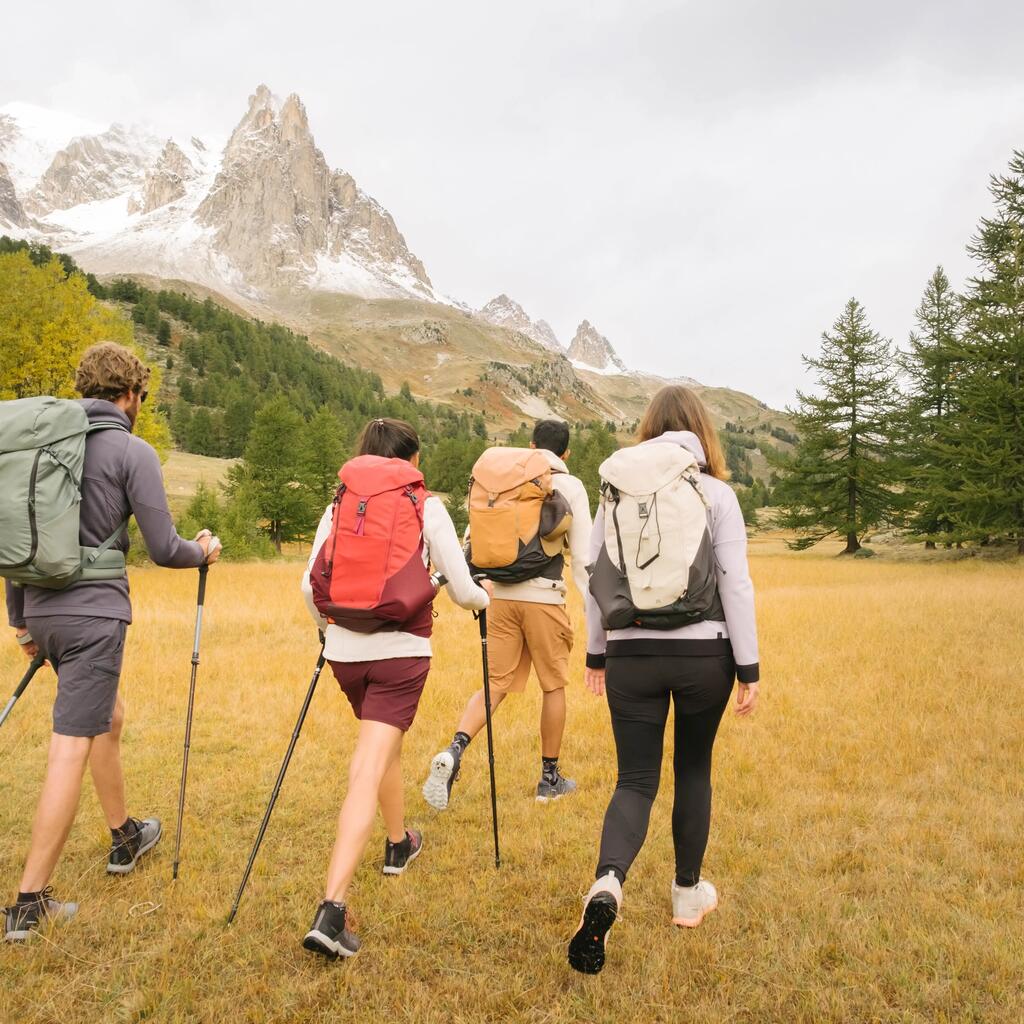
[(86, 653)]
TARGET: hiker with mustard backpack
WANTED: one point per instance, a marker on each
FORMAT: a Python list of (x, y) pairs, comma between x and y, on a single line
[(371, 594), (72, 473), (525, 513), (671, 619)]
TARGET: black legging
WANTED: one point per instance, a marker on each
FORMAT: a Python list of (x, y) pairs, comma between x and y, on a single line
[(638, 691)]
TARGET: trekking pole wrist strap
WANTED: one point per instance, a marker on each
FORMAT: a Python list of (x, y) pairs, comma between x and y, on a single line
[(24, 639)]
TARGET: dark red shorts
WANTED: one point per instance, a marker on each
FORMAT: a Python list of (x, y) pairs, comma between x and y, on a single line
[(385, 691)]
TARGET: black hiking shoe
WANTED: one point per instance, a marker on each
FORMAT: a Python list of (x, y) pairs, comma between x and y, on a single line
[(444, 770), (22, 919), (328, 935), (128, 847), (398, 856), (600, 908)]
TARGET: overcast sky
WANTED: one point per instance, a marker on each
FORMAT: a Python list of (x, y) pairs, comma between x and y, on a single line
[(707, 183)]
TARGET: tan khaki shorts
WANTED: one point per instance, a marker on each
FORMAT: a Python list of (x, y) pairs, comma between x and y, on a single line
[(521, 634)]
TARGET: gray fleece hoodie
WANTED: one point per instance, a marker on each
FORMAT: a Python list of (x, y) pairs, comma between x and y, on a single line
[(735, 589), (121, 478)]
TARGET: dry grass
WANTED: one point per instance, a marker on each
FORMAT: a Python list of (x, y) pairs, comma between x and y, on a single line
[(866, 839), (184, 472)]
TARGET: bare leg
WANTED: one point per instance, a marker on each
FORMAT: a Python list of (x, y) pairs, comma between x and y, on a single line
[(552, 722), (58, 805), (474, 717), (105, 765), (378, 745), (392, 801)]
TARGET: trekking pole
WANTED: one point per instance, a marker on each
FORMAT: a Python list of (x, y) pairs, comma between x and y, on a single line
[(482, 620), (203, 570), (280, 779), (36, 664)]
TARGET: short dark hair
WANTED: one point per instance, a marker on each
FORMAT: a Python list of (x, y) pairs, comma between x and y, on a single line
[(388, 438), (553, 435)]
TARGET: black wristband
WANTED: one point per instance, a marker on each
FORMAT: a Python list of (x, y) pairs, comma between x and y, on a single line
[(595, 660)]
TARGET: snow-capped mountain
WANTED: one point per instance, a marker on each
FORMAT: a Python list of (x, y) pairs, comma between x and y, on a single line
[(266, 213), (592, 351), (506, 312)]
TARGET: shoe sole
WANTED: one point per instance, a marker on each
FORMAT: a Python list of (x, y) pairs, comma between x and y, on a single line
[(693, 922), (435, 789), (412, 857), (587, 946), (551, 799), (23, 935), (317, 942), (127, 869)]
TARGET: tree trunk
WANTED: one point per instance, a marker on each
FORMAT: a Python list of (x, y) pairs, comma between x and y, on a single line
[(1020, 544), (852, 544), (929, 545), (276, 534)]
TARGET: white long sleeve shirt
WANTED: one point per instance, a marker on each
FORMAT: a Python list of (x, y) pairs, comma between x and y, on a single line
[(442, 548)]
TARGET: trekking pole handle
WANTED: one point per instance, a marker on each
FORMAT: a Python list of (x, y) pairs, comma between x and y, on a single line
[(203, 570)]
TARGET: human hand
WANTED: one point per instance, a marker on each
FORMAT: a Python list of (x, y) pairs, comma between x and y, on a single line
[(211, 546), (31, 649), (746, 698), (487, 586), (594, 678)]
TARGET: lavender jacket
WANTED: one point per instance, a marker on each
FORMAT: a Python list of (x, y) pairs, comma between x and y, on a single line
[(121, 478), (735, 589)]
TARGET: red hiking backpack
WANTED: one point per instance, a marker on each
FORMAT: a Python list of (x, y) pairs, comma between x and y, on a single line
[(369, 574)]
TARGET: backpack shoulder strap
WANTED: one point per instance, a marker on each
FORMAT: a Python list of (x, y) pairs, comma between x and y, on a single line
[(105, 425)]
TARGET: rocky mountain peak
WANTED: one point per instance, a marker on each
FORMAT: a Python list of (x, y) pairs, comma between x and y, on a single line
[(165, 181), (506, 312), (93, 167), (279, 212), (591, 350)]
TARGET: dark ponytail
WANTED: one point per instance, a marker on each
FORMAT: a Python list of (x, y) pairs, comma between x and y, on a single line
[(388, 438)]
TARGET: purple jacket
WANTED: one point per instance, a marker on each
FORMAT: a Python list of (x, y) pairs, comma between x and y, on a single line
[(122, 477), (735, 589)]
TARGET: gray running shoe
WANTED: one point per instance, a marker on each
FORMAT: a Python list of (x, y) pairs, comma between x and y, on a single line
[(24, 918), (444, 770), (547, 791), (126, 850), (329, 937)]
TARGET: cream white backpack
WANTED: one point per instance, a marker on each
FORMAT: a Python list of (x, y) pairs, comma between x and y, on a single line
[(656, 568)]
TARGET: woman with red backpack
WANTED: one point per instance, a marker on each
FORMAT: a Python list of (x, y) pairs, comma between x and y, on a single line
[(370, 592)]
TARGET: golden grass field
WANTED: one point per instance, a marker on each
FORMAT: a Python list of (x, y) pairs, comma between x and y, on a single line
[(866, 839)]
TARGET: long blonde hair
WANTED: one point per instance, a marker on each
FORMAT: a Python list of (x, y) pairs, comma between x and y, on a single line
[(676, 407)]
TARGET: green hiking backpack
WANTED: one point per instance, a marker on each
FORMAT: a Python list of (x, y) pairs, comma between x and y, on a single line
[(42, 457)]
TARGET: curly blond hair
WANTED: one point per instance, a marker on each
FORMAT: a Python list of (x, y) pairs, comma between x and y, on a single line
[(108, 370)]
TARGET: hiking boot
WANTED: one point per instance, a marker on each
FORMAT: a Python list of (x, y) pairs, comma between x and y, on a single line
[(398, 856), (328, 935), (128, 847), (24, 918), (600, 908), (554, 790), (444, 770), (692, 903)]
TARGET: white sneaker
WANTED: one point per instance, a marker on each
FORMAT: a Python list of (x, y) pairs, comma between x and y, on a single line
[(600, 908), (692, 903)]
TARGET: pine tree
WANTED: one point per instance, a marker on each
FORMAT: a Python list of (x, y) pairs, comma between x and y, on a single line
[(326, 449), (839, 478), (930, 365), (163, 332), (981, 443), (270, 475)]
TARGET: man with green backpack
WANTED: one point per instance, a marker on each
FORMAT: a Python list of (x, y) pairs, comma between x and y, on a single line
[(71, 475)]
